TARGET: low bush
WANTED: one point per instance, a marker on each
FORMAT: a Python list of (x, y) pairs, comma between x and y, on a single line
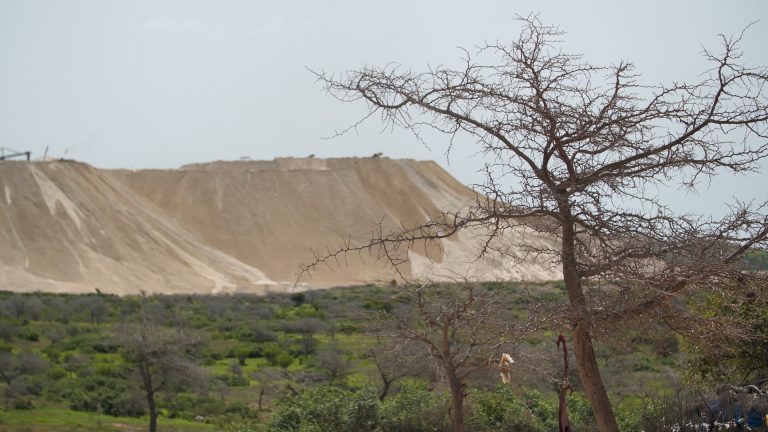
[(327, 409)]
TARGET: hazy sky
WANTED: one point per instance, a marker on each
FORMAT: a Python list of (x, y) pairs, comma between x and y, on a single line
[(154, 83)]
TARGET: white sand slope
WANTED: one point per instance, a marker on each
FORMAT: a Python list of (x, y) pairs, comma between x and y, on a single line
[(226, 226), (67, 227)]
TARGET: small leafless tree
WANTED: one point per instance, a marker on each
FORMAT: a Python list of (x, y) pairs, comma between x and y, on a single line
[(163, 358), (457, 326), (395, 364), (95, 306), (585, 148), (307, 328), (333, 361), (15, 371), (268, 379)]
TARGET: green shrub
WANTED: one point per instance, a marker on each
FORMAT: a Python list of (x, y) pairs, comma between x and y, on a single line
[(643, 364), (97, 393), (501, 409), (298, 298), (105, 346), (30, 335), (53, 354), (211, 356), (413, 409), (327, 409), (189, 406), (378, 305), (111, 369), (56, 373), (82, 342), (276, 355), (233, 380), (22, 404)]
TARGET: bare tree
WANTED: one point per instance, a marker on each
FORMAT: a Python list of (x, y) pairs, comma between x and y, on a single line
[(333, 362), (162, 357), (396, 364), (268, 379), (457, 326), (585, 148), (15, 371), (22, 306), (97, 308), (307, 328)]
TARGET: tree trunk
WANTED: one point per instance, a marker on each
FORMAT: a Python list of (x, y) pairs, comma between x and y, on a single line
[(5, 377), (584, 352), (591, 380), (385, 388), (152, 412), (457, 406), (147, 378)]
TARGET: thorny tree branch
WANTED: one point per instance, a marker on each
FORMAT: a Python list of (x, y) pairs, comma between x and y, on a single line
[(585, 146), (459, 326)]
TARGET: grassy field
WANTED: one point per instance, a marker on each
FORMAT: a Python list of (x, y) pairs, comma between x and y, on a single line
[(59, 419)]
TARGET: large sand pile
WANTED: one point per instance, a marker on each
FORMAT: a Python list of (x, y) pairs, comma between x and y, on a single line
[(224, 226)]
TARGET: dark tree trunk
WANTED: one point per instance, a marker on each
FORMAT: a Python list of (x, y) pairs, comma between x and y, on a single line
[(457, 396), (261, 396), (586, 361), (385, 388), (152, 412), (147, 379), (591, 380), (6, 378)]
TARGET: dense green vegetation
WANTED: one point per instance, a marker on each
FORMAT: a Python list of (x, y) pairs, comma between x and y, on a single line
[(298, 362), (756, 260)]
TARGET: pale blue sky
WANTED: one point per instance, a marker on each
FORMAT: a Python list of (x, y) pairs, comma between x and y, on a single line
[(154, 83)]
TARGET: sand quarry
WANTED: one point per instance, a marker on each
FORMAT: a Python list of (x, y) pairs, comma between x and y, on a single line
[(222, 227)]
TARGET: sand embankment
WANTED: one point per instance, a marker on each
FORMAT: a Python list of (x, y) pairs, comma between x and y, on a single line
[(225, 226)]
